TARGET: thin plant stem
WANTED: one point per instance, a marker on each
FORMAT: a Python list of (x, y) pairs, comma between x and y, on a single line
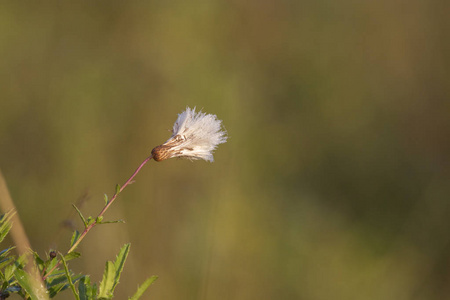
[(102, 212), (18, 234), (20, 239), (100, 215)]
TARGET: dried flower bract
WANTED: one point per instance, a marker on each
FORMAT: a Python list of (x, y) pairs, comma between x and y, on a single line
[(195, 135)]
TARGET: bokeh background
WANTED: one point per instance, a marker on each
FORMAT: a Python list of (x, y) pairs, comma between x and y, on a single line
[(334, 183)]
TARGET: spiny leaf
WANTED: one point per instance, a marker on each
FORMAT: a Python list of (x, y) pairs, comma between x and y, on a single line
[(120, 262), (107, 284), (81, 215), (141, 289)]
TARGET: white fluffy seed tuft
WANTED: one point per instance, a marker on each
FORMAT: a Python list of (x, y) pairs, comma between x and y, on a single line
[(195, 135)]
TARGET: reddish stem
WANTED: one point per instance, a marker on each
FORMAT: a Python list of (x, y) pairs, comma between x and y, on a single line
[(100, 215)]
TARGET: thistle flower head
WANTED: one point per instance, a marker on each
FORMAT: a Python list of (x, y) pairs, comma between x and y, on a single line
[(195, 135)]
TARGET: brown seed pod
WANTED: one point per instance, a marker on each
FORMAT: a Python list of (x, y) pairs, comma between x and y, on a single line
[(162, 152)]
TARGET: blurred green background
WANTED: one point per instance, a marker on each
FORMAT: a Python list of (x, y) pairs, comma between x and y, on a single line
[(334, 183)]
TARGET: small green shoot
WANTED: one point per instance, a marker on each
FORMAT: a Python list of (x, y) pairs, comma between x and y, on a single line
[(143, 287), (81, 216)]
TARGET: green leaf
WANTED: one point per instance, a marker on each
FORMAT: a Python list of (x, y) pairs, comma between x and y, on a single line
[(25, 282), (81, 215), (111, 222), (69, 278), (72, 255), (58, 282), (22, 260), (4, 258), (90, 221), (55, 275), (99, 219), (86, 290), (50, 264), (119, 263), (5, 262), (106, 199), (75, 237), (117, 189), (9, 271), (5, 224), (5, 253), (4, 230), (3, 279), (107, 284), (39, 262), (95, 291), (141, 289)]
